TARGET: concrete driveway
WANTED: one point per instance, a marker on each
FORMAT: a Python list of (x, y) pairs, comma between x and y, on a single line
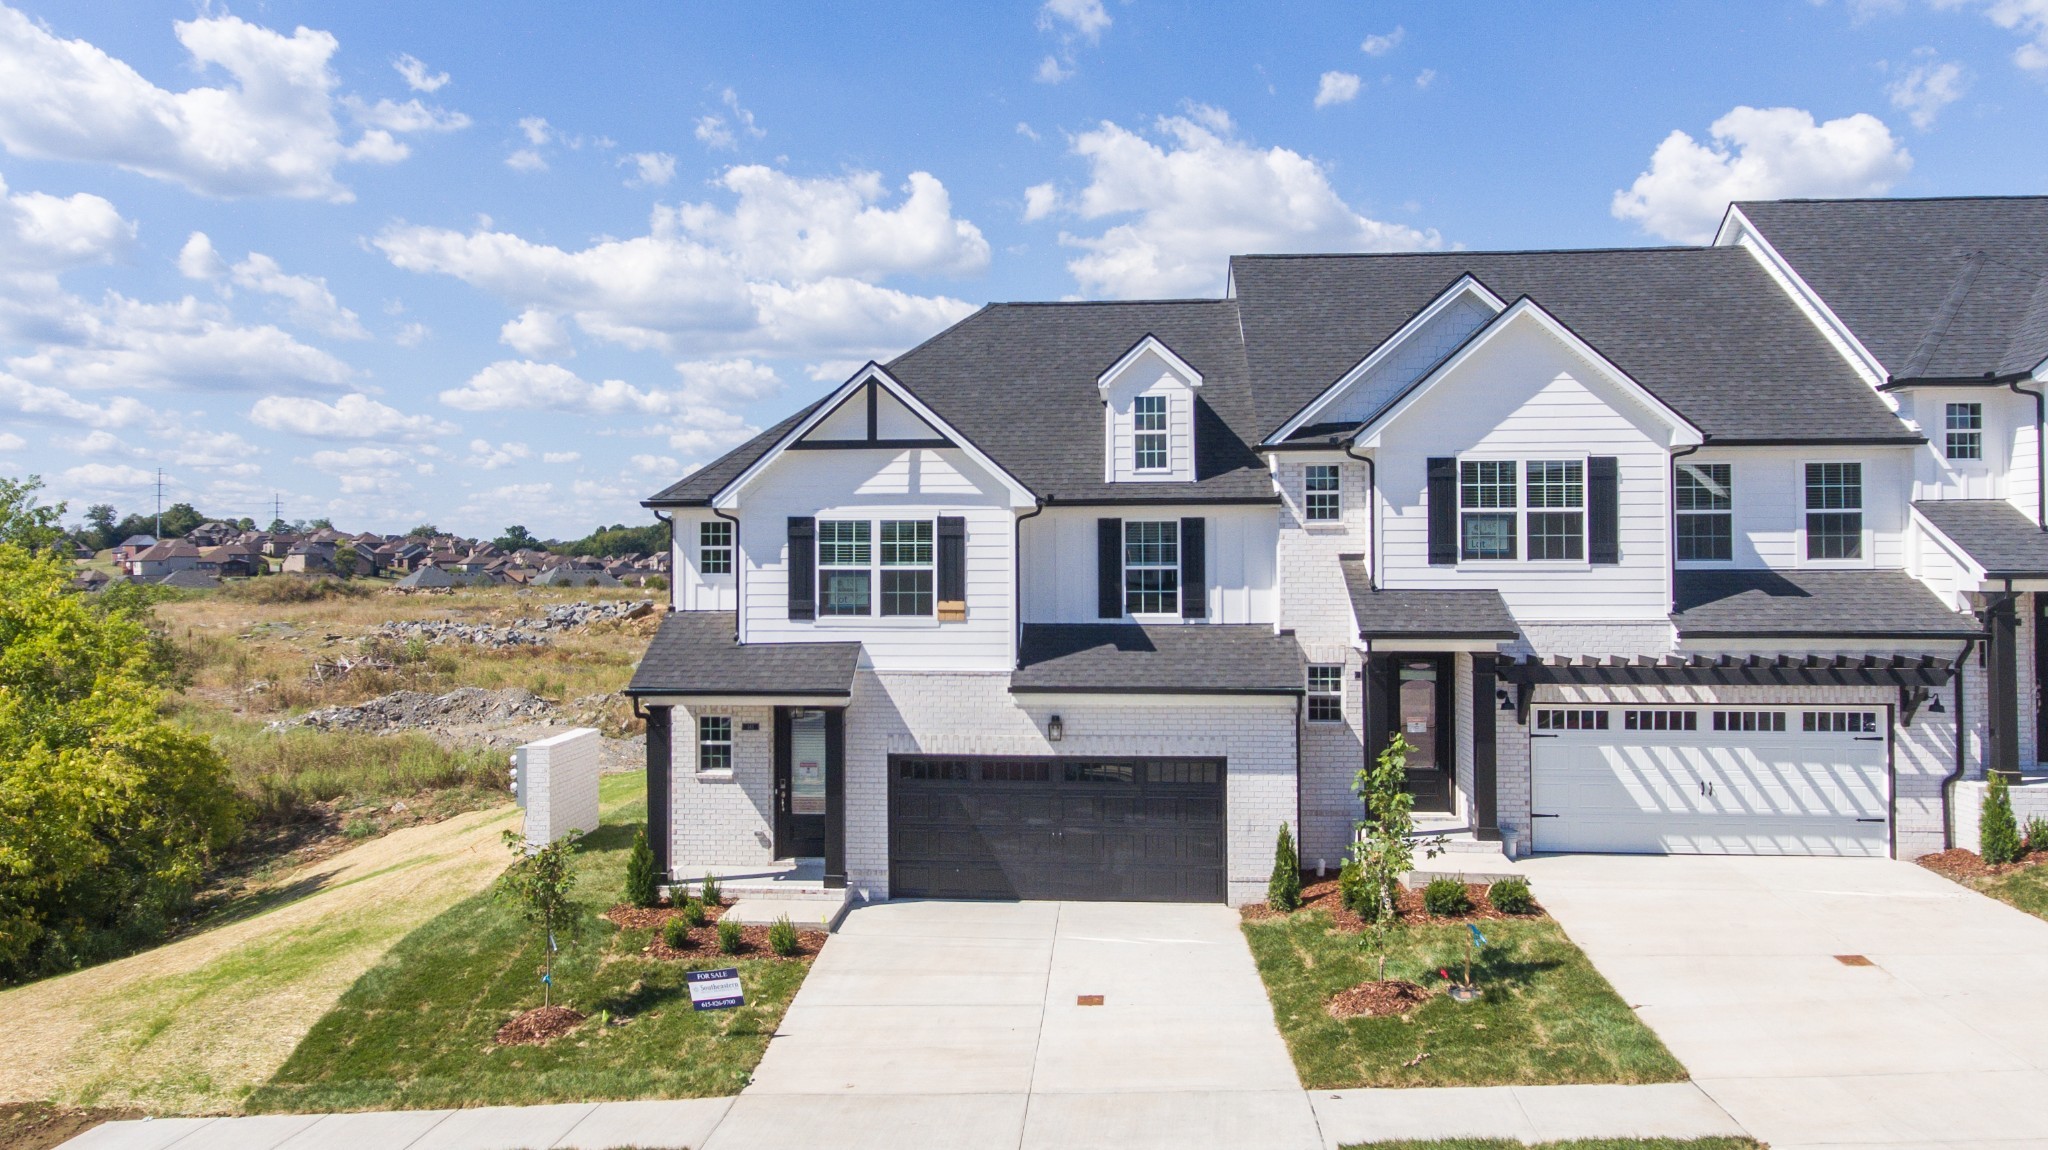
[(959, 1025), (1942, 1040)]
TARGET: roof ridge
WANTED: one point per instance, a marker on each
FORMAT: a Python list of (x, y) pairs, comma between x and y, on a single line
[(1631, 249), (1894, 199), (1945, 316)]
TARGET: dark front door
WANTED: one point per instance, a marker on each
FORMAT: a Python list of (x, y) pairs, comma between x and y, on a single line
[(2040, 678), (803, 758), (1055, 827), (1414, 700)]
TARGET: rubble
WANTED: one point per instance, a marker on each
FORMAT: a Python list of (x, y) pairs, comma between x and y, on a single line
[(522, 632), (568, 616), (413, 710)]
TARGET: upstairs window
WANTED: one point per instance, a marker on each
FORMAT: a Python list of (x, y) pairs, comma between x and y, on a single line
[(906, 553), (1148, 421), (1705, 502), (1965, 439), (1326, 693), (714, 548), (714, 742), (844, 558), (1834, 511), (1486, 502), (1152, 567), (1557, 509), (1321, 501)]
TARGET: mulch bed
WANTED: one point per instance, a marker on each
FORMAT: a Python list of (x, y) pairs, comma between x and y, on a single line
[(1322, 894), (1962, 864), (703, 940), (44, 1125), (539, 1026), (1377, 999)]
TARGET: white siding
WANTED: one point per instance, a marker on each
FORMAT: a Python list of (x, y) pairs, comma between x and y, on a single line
[(2007, 469), (1770, 503), (1524, 395), (1424, 349), (1937, 563), (849, 421), (1149, 374), (690, 589), (1060, 558)]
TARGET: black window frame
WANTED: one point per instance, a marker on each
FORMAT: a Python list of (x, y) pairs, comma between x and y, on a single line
[(1322, 494), (1705, 525), (714, 556), (1325, 687), (1834, 524)]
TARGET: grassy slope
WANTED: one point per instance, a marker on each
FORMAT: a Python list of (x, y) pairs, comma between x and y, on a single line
[(2026, 889), (1547, 1015), (416, 1031), (1574, 1144)]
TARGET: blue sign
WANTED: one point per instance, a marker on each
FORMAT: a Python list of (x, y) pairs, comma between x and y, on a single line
[(715, 989)]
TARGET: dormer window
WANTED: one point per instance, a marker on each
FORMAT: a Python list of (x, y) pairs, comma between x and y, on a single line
[(1148, 422), (1148, 416)]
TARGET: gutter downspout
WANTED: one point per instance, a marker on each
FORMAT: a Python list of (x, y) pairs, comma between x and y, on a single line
[(1017, 576), (1372, 512), (1673, 555), (1948, 832), (2040, 452)]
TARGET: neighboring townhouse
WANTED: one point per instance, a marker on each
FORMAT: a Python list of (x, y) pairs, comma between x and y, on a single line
[(163, 558), (1703, 550)]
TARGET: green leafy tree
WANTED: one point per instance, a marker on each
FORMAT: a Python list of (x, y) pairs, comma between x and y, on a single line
[(538, 884), (619, 539), (99, 524), (345, 560), (1283, 890), (109, 815), (642, 889), (1998, 833), (180, 519), (279, 527), (24, 522), (1385, 849), (423, 531), (516, 538)]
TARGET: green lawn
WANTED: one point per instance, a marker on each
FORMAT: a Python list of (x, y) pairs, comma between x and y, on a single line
[(1546, 1016), (2026, 889), (416, 1030), (1574, 1144)]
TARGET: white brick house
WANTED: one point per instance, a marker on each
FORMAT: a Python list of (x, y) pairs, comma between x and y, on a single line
[(1729, 549)]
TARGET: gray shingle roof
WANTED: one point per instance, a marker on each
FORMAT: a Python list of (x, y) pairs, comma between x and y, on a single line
[(694, 653), (1704, 329), (1814, 604), (1461, 614), (1124, 658), (1996, 534), (1935, 288)]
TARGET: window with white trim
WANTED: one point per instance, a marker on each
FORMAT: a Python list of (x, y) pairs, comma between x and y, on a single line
[(1557, 508), (1965, 431), (1151, 567), (1487, 503), (714, 742), (845, 554), (906, 555), (1705, 502), (1322, 501), (1148, 423), (714, 548), (1326, 693), (1834, 511)]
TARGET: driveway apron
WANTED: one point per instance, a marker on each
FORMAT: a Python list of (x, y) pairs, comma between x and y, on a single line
[(1825, 1002), (969, 1025)]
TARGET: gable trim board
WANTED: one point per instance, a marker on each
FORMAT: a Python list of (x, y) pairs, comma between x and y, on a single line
[(1736, 230), (1151, 343)]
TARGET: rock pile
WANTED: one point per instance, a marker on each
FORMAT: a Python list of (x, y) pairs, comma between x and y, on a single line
[(449, 631), (418, 710), (568, 616)]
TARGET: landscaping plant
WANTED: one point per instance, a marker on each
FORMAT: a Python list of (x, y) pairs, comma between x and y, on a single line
[(676, 933), (1511, 896), (538, 884), (710, 893), (782, 936), (641, 888), (1998, 835), (2037, 834), (1384, 850), (693, 912), (1354, 893), (1446, 897), (1283, 890), (728, 936)]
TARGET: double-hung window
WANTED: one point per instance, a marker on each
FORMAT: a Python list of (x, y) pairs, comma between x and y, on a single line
[(1148, 425), (1322, 502), (1965, 440), (845, 554), (906, 554), (1487, 506), (714, 742), (1326, 693), (1705, 504), (714, 548), (1557, 508), (1834, 511), (1152, 567)]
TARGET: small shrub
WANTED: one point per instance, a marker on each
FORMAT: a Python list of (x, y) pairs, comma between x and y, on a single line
[(1355, 892), (2037, 834), (1283, 890), (728, 936), (1511, 896), (1998, 835), (693, 912), (358, 827), (294, 589), (782, 936), (641, 888), (676, 932), (711, 895), (1445, 897)]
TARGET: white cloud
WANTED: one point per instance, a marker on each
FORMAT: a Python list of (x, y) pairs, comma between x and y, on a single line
[(269, 130), (713, 133), (537, 334), (411, 116), (123, 343), (716, 131), (526, 160), (1040, 200), (416, 75), (198, 260), (1083, 18), (307, 298), (1051, 71), (1381, 44), (108, 477), (1336, 88), (350, 417), (1927, 88), (650, 169), (792, 267), (658, 463), (560, 456), (45, 234), (834, 371), (2029, 18), (522, 385), (1187, 206), (536, 130), (11, 442), (727, 380), (33, 401), (1027, 131), (1425, 78), (1758, 153), (484, 457), (412, 335)]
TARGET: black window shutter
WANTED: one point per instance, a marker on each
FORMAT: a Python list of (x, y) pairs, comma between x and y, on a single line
[(1109, 568), (1443, 512), (803, 567), (1194, 569), (952, 567), (1603, 509)]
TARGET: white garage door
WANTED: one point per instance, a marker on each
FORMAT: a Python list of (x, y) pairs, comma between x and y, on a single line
[(1765, 780)]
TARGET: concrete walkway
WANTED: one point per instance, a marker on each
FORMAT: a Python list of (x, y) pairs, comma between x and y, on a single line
[(1737, 964)]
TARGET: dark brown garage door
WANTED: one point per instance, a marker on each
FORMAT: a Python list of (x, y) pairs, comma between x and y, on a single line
[(1139, 830)]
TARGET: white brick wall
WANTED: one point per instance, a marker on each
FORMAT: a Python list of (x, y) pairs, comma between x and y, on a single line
[(1331, 754), (558, 783), (2029, 800), (723, 817), (1315, 602)]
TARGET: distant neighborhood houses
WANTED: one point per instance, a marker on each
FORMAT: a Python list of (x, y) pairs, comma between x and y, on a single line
[(215, 551)]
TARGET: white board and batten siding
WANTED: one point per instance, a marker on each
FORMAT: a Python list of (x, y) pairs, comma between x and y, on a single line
[(690, 589), (1769, 497), (877, 484), (1523, 395), (2008, 466), (1240, 545), (1149, 373)]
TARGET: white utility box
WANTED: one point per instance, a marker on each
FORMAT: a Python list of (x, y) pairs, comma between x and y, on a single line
[(555, 781)]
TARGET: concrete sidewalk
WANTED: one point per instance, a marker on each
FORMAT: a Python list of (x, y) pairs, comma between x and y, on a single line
[(677, 1125)]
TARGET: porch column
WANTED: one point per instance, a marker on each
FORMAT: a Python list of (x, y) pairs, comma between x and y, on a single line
[(1485, 805), (835, 798), (660, 756), (2001, 681)]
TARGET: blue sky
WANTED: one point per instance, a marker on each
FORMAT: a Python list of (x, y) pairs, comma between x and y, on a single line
[(528, 263)]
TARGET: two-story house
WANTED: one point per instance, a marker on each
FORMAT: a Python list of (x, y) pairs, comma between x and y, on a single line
[(1727, 549)]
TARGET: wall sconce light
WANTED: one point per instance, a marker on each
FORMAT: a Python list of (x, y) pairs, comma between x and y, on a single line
[(1507, 701), (1934, 706), (1055, 730)]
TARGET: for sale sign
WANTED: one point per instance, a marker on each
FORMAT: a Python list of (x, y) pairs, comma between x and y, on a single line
[(716, 989)]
